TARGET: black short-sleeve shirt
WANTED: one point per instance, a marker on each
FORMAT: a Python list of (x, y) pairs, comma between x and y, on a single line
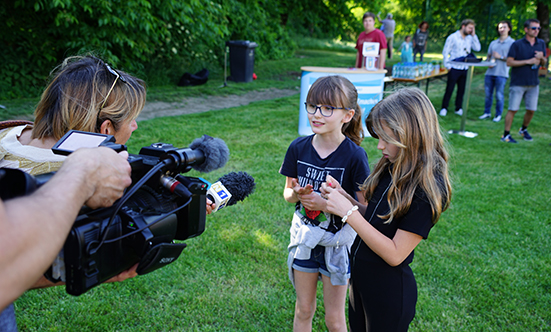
[(348, 164), (522, 50), (417, 220)]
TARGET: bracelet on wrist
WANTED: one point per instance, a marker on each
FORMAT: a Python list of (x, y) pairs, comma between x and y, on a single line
[(345, 218)]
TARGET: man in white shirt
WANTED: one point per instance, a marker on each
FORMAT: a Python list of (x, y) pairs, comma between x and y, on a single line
[(459, 44)]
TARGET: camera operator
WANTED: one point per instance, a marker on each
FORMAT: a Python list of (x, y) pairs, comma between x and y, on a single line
[(34, 228), (85, 93)]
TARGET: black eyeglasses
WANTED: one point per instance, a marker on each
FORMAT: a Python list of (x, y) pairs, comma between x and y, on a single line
[(325, 110), (535, 28), (117, 77)]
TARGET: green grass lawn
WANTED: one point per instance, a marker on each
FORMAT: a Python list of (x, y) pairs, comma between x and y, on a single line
[(485, 266)]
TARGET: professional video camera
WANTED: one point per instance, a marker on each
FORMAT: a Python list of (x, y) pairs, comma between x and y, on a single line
[(160, 206)]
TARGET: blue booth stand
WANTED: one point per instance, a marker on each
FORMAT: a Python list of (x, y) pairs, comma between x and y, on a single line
[(369, 83)]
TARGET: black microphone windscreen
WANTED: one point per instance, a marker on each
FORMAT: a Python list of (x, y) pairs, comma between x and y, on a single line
[(215, 150), (240, 185)]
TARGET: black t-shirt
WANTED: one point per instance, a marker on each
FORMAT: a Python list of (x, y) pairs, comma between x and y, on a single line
[(417, 220), (348, 164), (522, 50)]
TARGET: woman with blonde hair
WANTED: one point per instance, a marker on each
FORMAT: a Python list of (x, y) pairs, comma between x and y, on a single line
[(406, 193), (87, 94)]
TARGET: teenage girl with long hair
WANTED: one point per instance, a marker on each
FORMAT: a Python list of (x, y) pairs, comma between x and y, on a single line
[(406, 193), (319, 243)]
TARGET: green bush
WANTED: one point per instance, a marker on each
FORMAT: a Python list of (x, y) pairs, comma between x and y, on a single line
[(154, 39)]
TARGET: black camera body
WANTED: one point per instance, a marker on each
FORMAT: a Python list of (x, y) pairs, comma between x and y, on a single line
[(91, 258), (140, 228)]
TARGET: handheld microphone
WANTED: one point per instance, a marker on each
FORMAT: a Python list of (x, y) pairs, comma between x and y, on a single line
[(230, 189)]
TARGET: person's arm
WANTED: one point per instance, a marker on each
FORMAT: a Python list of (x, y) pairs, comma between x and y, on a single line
[(475, 43), (359, 57), (511, 62), (447, 51), (332, 183), (34, 228), (382, 58), (497, 56), (288, 192), (489, 54), (311, 200), (393, 251), (540, 55), (43, 282)]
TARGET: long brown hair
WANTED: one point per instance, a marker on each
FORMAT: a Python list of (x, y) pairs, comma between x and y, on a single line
[(422, 160), (338, 91), (76, 96)]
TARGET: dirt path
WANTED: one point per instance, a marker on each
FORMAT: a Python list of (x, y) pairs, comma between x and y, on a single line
[(203, 104)]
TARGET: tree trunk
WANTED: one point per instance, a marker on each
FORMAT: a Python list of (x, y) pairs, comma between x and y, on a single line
[(542, 13)]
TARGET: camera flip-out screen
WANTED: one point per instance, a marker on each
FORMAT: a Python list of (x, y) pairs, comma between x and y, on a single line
[(76, 139)]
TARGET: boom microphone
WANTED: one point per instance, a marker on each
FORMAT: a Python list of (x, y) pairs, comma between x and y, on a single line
[(230, 189), (215, 150), (204, 154)]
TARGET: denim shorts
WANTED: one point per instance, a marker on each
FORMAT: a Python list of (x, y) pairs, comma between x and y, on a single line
[(530, 94), (316, 263)]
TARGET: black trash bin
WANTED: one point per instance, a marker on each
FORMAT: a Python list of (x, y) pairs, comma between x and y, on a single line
[(241, 60)]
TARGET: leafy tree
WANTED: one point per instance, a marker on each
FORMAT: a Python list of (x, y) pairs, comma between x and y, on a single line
[(157, 40)]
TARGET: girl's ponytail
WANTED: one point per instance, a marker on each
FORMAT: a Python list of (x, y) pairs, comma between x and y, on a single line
[(354, 128)]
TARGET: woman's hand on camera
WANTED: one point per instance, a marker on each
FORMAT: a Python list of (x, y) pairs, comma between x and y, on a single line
[(128, 274)]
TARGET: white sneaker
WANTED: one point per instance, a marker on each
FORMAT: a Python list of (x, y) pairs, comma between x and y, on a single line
[(459, 112), (443, 112), (497, 118), (485, 116)]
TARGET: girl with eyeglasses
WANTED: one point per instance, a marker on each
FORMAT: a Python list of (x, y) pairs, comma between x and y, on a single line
[(320, 243), (406, 193)]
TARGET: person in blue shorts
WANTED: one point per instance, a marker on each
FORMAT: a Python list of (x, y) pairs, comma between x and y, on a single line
[(320, 242)]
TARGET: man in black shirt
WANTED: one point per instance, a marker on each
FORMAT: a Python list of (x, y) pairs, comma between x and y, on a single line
[(525, 56)]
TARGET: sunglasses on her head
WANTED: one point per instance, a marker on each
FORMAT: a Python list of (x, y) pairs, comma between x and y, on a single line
[(117, 77)]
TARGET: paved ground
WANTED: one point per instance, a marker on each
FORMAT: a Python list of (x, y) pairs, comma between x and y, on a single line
[(203, 104)]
